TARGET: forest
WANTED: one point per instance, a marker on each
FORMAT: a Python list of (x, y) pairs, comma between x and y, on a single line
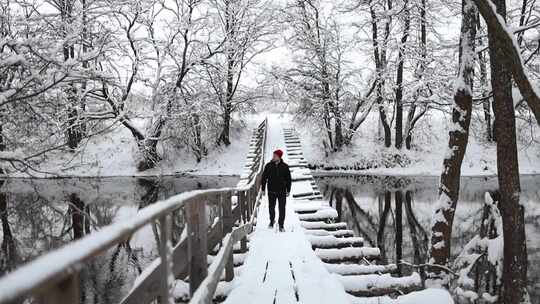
[(101, 88)]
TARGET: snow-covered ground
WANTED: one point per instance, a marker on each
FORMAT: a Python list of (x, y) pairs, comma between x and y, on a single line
[(115, 154), (429, 147)]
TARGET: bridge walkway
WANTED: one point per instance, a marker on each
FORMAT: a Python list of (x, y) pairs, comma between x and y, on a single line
[(316, 259)]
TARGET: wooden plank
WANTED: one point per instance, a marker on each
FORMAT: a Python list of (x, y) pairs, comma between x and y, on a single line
[(197, 243)]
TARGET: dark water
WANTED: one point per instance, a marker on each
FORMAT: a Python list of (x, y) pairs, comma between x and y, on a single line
[(38, 215), (400, 227)]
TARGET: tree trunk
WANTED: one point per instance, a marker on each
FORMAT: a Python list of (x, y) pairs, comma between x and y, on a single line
[(482, 62), (384, 121), (224, 137), (419, 73), (512, 58), (399, 80), (512, 212), (379, 55), (8, 242), (74, 131), (457, 144), (338, 128)]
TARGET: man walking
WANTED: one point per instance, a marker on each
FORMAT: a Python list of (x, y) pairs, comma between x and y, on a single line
[(278, 176)]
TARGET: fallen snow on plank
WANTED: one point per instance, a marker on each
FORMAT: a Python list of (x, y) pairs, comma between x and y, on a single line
[(330, 240), (302, 187), (323, 225), (326, 213), (344, 254), (306, 205), (427, 296), (370, 282), (352, 269), (322, 232)]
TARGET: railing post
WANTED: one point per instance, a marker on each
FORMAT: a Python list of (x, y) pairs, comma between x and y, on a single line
[(66, 291), (242, 203), (248, 204), (165, 251), (227, 228), (243, 209), (197, 230)]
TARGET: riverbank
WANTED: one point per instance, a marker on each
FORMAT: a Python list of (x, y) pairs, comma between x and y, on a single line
[(115, 154), (367, 154)]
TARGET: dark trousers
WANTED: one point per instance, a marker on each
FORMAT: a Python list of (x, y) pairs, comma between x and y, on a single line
[(282, 199)]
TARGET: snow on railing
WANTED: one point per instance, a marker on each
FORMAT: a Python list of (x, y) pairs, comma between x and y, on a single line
[(53, 277)]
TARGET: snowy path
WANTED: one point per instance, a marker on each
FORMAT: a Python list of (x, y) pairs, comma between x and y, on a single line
[(287, 267), (282, 267)]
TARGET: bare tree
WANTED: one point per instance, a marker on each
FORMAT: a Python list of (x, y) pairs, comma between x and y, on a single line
[(443, 217)]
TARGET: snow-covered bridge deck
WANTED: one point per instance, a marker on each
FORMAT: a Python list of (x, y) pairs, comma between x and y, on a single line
[(316, 260), (235, 258)]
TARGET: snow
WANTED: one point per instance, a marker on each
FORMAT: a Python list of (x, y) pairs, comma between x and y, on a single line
[(327, 213), (371, 281), (292, 267), (116, 154), (430, 295), (367, 155), (356, 253), (322, 225), (346, 269), (329, 240), (283, 265)]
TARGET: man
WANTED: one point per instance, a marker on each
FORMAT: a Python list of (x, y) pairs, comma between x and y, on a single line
[(278, 176)]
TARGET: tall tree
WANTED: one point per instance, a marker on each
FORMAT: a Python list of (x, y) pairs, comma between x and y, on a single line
[(379, 54), (399, 78), (515, 244), (443, 218), (248, 31)]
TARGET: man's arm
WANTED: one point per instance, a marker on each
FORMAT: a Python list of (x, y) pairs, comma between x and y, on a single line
[(288, 179), (264, 177)]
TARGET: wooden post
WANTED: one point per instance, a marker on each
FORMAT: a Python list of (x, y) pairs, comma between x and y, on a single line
[(197, 230), (165, 251), (67, 291), (243, 210), (248, 204), (227, 228)]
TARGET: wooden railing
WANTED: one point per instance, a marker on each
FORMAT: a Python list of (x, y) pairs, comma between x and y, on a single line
[(54, 277)]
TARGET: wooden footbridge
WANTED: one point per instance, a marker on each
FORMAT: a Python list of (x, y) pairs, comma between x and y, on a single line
[(235, 258)]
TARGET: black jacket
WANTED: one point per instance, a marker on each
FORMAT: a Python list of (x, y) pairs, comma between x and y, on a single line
[(278, 177)]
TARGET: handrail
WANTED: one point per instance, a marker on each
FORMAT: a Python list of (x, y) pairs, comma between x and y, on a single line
[(53, 277), (204, 294)]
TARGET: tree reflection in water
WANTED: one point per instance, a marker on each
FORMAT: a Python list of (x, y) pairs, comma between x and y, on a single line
[(394, 214), (39, 215)]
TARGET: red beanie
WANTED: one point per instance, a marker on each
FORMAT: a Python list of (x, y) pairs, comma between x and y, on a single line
[(279, 153)]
